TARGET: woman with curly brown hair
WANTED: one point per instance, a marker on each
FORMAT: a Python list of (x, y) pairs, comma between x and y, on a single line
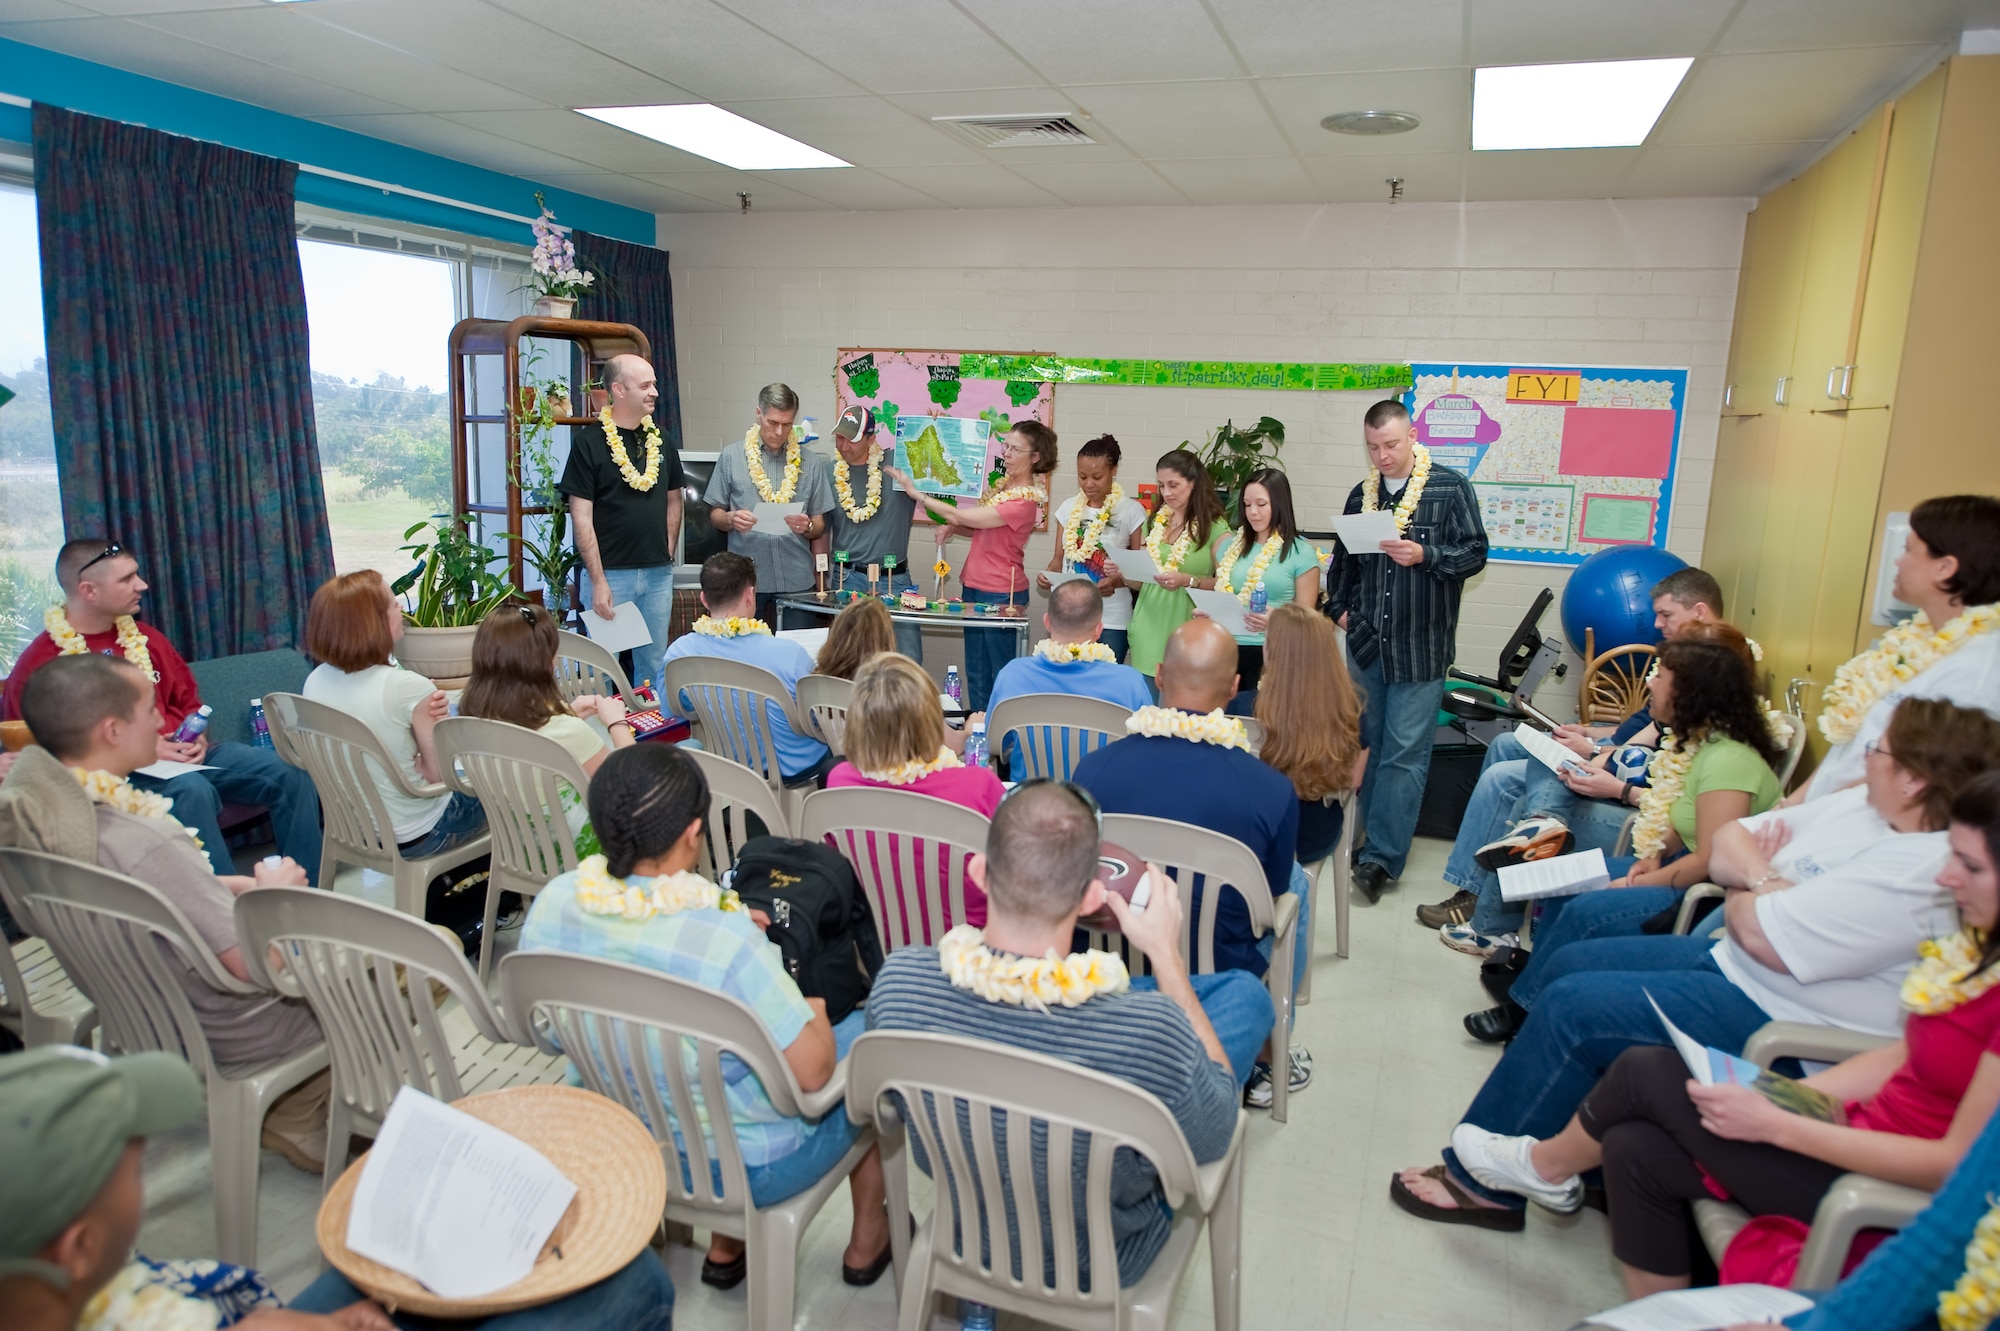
[(1312, 722)]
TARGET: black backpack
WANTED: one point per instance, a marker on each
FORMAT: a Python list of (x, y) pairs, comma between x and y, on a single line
[(819, 918)]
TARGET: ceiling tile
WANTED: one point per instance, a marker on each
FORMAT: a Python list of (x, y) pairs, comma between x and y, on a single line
[(1540, 32), (118, 7), (1563, 173), (1783, 95), (628, 190), (1427, 177), (1441, 97), (1102, 184), (1242, 180), (855, 190), (1105, 41), (956, 52), (36, 11), (1289, 37), (1793, 25), (448, 138), (1714, 169), (1195, 119), (721, 187), (866, 131), (974, 186)]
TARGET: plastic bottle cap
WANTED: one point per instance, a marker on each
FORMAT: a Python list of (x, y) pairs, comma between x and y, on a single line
[(274, 861)]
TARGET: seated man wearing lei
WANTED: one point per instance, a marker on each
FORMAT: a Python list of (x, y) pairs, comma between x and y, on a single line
[(732, 631), (1070, 660), (94, 719), (101, 590), (1189, 1040), (1186, 760)]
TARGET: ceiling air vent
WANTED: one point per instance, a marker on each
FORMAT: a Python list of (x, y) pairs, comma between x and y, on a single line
[(1045, 131)]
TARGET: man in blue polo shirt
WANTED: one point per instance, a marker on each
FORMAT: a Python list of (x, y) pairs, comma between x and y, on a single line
[(732, 631), (1212, 780), (1070, 660)]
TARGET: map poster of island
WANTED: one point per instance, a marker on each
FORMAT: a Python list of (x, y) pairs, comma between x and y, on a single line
[(1565, 459), (942, 423)]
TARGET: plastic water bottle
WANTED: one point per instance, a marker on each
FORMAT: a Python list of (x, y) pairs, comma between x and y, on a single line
[(1259, 600), (952, 688), (260, 728), (975, 745), (975, 1316), (193, 724)]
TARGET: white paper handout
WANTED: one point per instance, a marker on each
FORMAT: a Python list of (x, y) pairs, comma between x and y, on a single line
[(622, 632), (811, 639), (453, 1201), (1363, 533), (1135, 566), (771, 518), (1557, 876), (1703, 1309), (1222, 607), (166, 769), (1550, 753), (1062, 575)]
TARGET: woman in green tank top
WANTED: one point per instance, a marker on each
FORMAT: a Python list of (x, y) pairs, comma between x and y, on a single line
[(1178, 536)]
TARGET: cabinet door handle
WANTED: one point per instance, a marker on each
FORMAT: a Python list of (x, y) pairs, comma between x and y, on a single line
[(1729, 395), (1784, 382), (1847, 381), (1831, 375)]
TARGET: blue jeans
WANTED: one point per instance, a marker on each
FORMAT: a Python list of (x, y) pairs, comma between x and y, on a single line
[(1594, 1010), (1117, 640), (247, 775), (909, 637), (1615, 912), (463, 819), (640, 1297), (1300, 888), (1238, 1006), (986, 650), (1498, 802), (1397, 723), (652, 590)]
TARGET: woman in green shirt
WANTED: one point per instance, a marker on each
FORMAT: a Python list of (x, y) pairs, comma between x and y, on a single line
[(1178, 538), (1265, 550)]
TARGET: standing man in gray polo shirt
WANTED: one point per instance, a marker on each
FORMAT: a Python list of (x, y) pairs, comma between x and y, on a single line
[(771, 466), (871, 517)]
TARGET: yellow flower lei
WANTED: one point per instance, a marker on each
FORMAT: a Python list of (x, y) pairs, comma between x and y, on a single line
[(1255, 577), (1406, 507), (788, 484), (1938, 982), (1974, 1301), (131, 639), (1905, 652), (915, 770), (641, 481), (844, 491), (733, 627), (598, 893), (121, 794), (1077, 544), (1217, 727), (1063, 652), (1168, 558), (1666, 773), (1035, 982)]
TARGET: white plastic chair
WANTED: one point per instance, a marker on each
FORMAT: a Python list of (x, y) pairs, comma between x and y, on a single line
[(824, 699), (616, 1022), (1795, 747), (125, 946), (735, 794), (519, 778), (1054, 730), (343, 756), (1186, 852), (584, 667), (731, 705), (367, 972), (960, 1081), (39, 1003), (1340, 866), (908, 850)]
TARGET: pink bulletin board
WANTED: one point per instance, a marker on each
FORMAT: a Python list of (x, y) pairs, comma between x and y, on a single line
[(1614, 441)]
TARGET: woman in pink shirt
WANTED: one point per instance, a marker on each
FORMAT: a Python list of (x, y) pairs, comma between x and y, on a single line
[(994, 573)]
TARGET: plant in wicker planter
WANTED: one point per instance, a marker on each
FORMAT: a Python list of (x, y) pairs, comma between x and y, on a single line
[(452, 588)]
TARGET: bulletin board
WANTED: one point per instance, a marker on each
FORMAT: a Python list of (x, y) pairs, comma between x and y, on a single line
[(1565, 461), (949, 428)]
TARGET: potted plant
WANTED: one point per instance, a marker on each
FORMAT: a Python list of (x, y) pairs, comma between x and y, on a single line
[(1232, 456), (545, 402), (555, 279), (452, 588)]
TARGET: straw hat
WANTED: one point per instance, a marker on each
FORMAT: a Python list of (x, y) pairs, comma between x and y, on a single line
[(599, 1145)]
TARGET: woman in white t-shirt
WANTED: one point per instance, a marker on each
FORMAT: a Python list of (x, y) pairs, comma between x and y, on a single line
[(351, 629), (514, 680), (1091, 527)]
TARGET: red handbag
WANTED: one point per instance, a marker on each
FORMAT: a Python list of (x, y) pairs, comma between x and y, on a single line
[(1766, 1251)]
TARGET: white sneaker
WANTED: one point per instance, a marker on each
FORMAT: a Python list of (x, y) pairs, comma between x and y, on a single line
[(1503, 1163), (1530, 839), (1464, 938), (1258, 1092)]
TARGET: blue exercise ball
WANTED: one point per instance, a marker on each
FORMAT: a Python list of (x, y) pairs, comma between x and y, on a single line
[(1611, 593)]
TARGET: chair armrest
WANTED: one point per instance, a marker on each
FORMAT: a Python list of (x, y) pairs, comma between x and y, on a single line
[(1284, 915), (816, 1104), (1697, 894), (1855, 1202), (1792, 1039), (1210, 1178)]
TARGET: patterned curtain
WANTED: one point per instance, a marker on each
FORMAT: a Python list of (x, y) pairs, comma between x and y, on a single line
[(634, 287), (178, 375)]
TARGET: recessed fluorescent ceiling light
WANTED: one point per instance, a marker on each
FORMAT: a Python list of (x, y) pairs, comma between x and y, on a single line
[(719, 135), (1605, 104)]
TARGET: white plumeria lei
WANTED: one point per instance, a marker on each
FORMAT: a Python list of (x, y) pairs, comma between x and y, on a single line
[(1406, 507), (788, 484), (131, 639), (121, 794), (1217, 727), (733, 627), (1034, 492), (1036, 982), (1083, 534), (1255, 577), (843, 489), (1942, 979), (1974, 1302), (599, 893), (1666, 773), (1169, 558), (638, 480), (1061, 653), (915, 770), (1905, 652)]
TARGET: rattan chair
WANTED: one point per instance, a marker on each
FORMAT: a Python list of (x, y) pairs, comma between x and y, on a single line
[(823, 701), (1054, 731), (615, 1020), (962, 1083), (735, 796), (125, 945), (1340, 867), (734, 708), (39, 1003), (519, 778), (343, 757), (909, 851), (584, 667), (1614, 680)]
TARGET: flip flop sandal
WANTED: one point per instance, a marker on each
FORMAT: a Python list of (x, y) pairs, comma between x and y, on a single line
[(1467, 1212)]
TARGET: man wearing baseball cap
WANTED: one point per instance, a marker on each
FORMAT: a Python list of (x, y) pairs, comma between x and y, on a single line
[(871, 519)]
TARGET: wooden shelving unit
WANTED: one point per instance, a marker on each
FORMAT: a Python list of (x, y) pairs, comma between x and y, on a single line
[(474, 338)]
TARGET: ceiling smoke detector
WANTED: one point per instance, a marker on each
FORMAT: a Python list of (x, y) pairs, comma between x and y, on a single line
[(1032, 131), (1371, 122)]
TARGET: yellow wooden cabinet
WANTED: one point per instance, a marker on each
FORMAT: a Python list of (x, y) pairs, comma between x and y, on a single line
[(1767, 305)]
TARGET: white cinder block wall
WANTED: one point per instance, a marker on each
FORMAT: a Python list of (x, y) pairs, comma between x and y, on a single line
[(769, 296)]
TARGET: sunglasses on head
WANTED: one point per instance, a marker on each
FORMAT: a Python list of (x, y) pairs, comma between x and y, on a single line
[(110, 551), (1082, 796)]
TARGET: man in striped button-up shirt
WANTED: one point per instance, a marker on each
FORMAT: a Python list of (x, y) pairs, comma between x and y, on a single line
[(1399, 606)]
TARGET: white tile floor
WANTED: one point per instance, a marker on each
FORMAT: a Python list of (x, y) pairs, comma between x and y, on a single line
[(1324, 1246)]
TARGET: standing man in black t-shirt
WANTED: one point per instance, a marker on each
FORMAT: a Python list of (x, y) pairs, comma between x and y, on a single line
[(624, 486)]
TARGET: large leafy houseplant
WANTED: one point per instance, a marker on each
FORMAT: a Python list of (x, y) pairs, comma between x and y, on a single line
[(1233, 455), (453, 584)]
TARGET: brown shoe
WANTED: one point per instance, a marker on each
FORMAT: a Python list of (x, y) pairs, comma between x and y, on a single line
[(1455, 909), (305, 1153)]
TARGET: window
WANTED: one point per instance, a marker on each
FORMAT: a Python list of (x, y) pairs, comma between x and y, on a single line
[(31, 527)]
